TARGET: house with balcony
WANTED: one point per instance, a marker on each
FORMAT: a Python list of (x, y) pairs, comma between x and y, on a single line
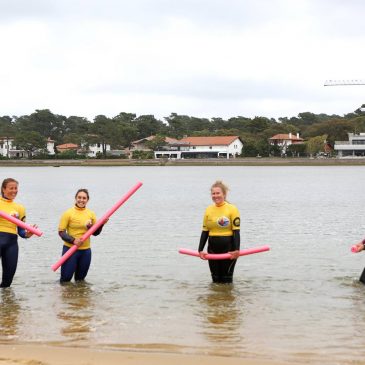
[(97, 148), (90, 150), (9, 150), (202, 147), (353, 148), (285, 140)]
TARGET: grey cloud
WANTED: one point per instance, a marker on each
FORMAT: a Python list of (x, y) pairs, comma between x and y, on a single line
[(229, 13), (208, 88)]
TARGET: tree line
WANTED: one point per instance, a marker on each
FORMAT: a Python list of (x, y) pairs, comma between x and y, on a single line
[(30, 132)]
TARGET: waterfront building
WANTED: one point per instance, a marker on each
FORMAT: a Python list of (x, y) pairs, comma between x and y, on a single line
[(285, 140), (354, 147), (202, 147)]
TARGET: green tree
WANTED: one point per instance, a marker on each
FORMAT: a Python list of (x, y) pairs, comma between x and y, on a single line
[(30, 142), (44, 122), (75, 125), (296, 150), (148, 125), (316, 144), (7, 128), (156, 143), (336, 130), (102, 131), (126, 130), (177, 125)]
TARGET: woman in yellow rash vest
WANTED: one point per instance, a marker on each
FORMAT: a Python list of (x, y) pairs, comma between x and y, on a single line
[(221, 227), (9, 232), (73, 224)]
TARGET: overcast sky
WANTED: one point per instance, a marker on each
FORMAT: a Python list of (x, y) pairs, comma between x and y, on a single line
[(203, 58)]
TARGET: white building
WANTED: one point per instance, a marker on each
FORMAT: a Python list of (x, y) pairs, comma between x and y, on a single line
[(285, 140), (50, 146), (6, 144), (8, 149), (202, 147), (354, 147), (96, 148)]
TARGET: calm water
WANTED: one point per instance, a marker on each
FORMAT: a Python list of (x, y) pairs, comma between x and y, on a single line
[(299, 302)]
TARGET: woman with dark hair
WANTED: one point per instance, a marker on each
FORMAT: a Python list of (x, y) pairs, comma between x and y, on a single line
[(73, 224), (9, 231), (221, 227)]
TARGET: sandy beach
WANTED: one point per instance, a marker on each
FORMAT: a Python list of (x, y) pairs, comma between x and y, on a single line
[(42, 354)]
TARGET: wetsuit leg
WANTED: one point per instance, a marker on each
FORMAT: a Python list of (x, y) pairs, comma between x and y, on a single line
[(69, 267), (362, 277), (9, 250), (221, 270), (83, 264)]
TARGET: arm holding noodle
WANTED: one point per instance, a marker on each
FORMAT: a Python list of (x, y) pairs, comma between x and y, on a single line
[(359, 246), (82, 238), (12, 225), (24, 233)]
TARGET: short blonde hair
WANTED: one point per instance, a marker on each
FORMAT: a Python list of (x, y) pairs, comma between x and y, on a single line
[(221, 185)]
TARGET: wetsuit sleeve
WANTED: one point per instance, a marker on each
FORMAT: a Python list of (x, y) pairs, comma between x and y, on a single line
[(66, 237), (93, 221), (98, 231), (203, 240), (236, 240), (22, 232), (236, 220)]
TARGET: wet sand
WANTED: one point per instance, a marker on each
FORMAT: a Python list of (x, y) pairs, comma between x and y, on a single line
[(42, 354)]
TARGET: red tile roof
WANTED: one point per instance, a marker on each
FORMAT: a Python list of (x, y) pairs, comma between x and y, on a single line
[(151, 138), (67, 146), (209, 141), (283, 136)]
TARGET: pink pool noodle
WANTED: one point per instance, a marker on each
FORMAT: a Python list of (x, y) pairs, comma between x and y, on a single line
[(224, 256), (21, 224), (65, 257), (98, 223)]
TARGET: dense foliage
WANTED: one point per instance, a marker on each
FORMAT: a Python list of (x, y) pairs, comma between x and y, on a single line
[(32, 131)]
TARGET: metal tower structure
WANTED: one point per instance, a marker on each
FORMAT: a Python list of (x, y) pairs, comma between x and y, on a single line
[(343, 82)]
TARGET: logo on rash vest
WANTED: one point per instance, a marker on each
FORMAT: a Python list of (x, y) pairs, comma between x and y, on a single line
[(223, 221)]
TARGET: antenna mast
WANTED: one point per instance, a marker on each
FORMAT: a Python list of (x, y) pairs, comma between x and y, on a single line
[(343, 82)]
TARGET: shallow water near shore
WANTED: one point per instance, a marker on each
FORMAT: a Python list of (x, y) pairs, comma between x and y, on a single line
[(299, 302)]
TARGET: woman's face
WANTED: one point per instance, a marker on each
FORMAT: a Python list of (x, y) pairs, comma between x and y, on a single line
[(81, 199), (217, 195), (11, 190)]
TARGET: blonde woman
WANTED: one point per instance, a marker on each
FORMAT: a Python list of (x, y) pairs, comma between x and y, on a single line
[(221, 227)]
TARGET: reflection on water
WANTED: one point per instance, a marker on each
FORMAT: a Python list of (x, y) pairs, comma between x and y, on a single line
[(76, 310), (10, 312), (221, 316)]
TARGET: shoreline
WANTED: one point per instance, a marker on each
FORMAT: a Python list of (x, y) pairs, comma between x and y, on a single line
[(45, 354), (248, 161)]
